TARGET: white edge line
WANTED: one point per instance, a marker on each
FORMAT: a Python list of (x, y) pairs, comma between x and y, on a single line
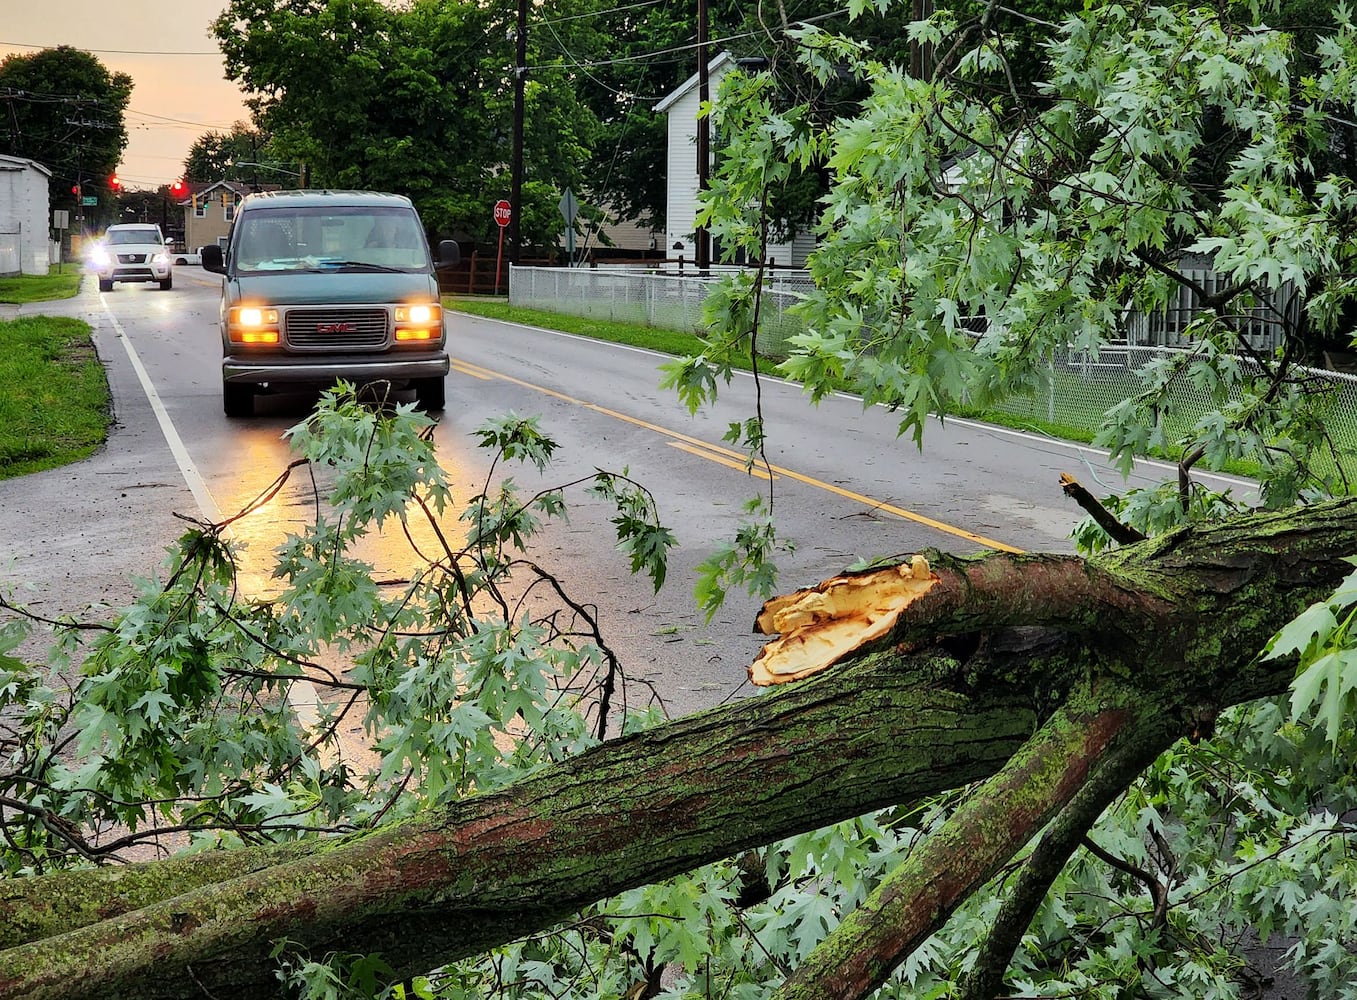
[(301, 693), (207, 506)]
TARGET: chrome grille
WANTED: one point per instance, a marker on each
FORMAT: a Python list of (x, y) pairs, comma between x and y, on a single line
[(336, 329)]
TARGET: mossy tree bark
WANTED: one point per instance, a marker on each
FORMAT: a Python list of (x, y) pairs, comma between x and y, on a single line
[(1046, 679)]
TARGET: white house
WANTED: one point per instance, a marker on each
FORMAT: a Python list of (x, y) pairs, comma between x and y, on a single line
[(24, 217), (681, 171)]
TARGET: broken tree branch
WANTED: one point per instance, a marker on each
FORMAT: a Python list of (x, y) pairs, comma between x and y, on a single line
[(996, 820), (1122, 534), (1107, 780), (493, 867)]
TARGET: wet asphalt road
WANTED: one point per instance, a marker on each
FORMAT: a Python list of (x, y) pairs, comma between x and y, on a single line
[(844, 485)]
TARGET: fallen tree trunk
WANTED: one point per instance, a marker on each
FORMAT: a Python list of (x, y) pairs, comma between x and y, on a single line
[(497, 866), (1173, 624)]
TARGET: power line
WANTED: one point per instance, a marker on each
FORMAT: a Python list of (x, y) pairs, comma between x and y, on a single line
[(42, 97), (178, 121), (595, 13), (679, 49), (584, 68), (114, 52)]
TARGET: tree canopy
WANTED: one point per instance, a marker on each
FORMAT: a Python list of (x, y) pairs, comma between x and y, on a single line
[(65, 110), (416, 100), (419, 99), (1097, 775)]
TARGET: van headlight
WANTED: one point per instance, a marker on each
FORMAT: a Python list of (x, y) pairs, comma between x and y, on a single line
[(419, 322), (252, 325)]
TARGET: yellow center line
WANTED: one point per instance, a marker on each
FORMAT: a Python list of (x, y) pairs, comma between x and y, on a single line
[(696, 443), (468, 370), (755, 470)]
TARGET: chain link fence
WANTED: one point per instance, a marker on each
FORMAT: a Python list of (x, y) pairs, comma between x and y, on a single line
[(1079, 389)]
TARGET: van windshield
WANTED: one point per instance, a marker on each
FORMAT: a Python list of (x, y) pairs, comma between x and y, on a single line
[(327, 238)]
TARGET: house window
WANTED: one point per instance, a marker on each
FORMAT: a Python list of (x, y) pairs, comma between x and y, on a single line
[(200, 207), (228, 205)]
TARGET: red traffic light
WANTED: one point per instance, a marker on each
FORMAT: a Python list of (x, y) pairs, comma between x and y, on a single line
[(113, 182), (178, 187), (75, 189)]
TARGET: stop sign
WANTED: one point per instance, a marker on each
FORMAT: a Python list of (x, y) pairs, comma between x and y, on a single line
[(503, 210)]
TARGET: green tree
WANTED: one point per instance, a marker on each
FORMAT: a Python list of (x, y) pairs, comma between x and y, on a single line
[(623, 60), (629, 57), (64, 109), (416, 100), (488, 810), (213, 155), (1046, 775)]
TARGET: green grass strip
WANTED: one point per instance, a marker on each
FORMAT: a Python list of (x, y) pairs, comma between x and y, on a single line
[(55, 405), (667, 341), (42, 288)]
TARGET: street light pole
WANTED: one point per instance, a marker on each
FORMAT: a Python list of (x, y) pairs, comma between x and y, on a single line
[(269, 166)]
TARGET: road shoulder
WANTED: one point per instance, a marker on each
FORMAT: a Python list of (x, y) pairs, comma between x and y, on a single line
[(76, 536)]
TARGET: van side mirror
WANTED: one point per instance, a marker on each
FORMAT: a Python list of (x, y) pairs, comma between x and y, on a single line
[(449, 253), (213, 259)]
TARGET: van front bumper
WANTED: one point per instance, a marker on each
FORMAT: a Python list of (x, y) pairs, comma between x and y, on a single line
[(291, 370)]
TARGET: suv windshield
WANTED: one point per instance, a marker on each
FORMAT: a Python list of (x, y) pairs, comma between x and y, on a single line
[(329, 238), (123, 237)]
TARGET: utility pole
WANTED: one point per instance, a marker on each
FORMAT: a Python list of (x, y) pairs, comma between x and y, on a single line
[(920, 53), (516, 170), (702, 252)]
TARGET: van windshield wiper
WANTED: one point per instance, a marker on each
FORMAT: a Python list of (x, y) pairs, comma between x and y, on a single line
[(365, 265)]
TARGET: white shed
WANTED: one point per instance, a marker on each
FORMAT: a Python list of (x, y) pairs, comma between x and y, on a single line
[(681, 171), (24, 220)]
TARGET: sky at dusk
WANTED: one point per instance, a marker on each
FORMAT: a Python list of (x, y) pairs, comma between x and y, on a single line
[(165, 47)]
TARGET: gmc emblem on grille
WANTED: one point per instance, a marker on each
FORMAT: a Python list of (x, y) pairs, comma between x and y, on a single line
[(336, 328)]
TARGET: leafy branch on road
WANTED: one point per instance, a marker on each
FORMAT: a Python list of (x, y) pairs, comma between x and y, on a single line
[(180, 721)]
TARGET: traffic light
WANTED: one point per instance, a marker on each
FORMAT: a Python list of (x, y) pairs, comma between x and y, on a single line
[(178, 188), (113, 183), (75, 190)]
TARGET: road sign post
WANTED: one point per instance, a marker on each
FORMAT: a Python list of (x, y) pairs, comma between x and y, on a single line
[(504, 212), (570, 208), (61, 221)]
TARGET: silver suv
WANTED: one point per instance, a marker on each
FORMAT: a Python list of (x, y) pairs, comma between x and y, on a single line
[(132, 252)]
